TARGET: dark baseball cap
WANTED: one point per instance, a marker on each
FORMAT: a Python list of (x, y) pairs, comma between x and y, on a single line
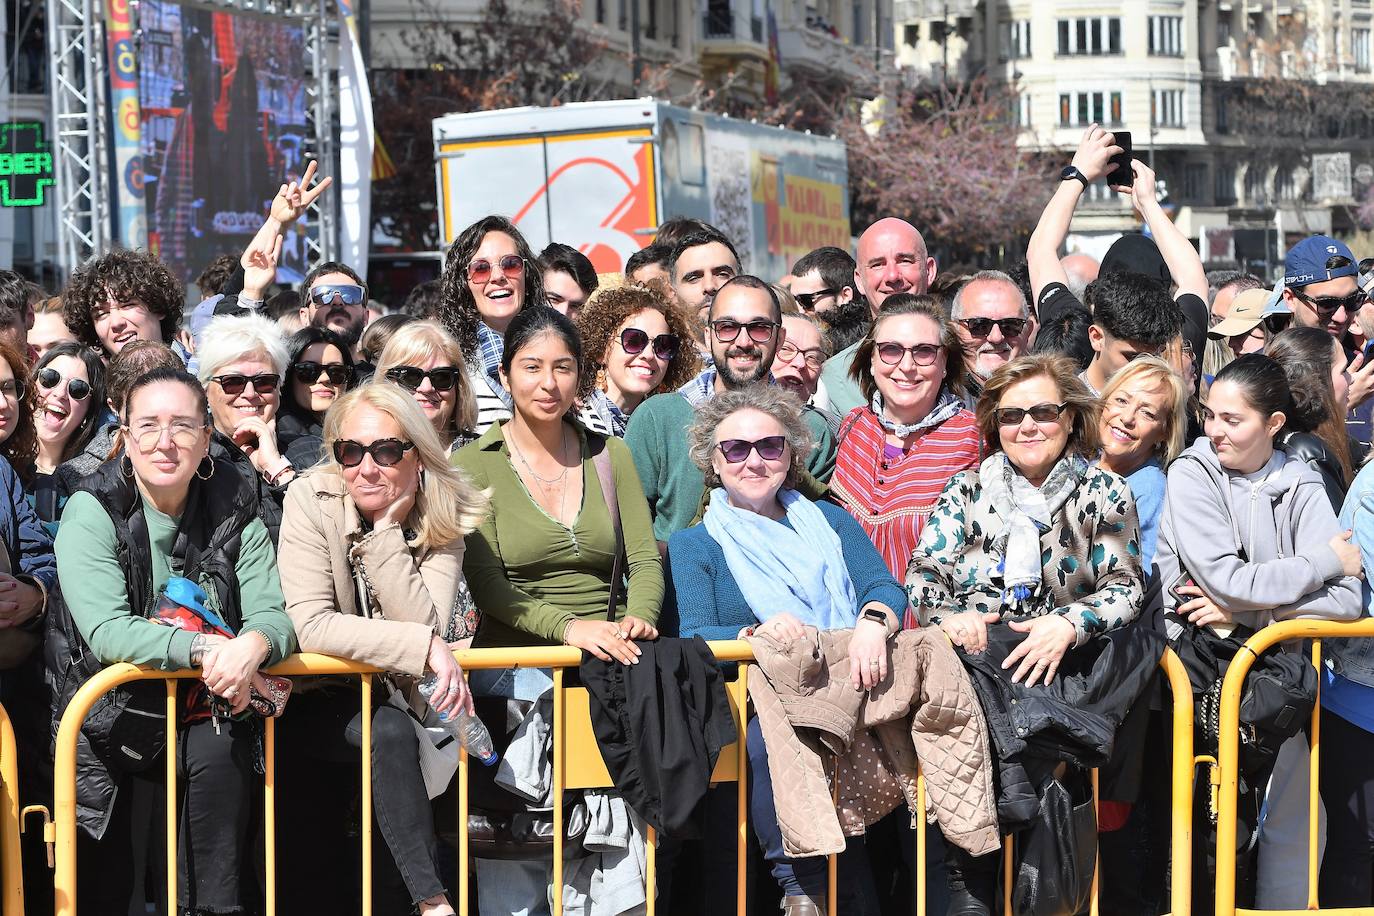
[(1307, 261)]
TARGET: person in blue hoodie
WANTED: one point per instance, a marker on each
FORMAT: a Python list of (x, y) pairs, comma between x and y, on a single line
[(1248, 537)]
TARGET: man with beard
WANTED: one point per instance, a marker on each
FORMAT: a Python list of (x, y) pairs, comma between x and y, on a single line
[(336, 299), (744, 329), (992, 320)]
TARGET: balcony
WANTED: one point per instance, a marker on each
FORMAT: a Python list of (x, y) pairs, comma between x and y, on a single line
[(913, 10), (732, 30), (818, 53)]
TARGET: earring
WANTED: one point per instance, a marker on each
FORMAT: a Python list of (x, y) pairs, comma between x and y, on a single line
[(601, 379), (201, 476)]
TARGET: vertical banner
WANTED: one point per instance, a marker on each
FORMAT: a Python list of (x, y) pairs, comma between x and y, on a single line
[(130, 220), (355, 146)]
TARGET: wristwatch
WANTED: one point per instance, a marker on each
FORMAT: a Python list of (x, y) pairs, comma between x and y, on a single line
[(876, 616), (1071, 172)]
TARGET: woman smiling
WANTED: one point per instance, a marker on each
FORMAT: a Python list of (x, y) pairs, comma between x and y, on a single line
[(424, 360)]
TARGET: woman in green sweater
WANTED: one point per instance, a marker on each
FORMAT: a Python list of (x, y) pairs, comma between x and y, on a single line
[(167, 509), (539, 567)]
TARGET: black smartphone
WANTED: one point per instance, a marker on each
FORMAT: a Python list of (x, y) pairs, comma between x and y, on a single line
[(1119, 173)]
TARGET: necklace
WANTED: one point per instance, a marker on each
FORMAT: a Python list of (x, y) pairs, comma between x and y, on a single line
[(546, 484)]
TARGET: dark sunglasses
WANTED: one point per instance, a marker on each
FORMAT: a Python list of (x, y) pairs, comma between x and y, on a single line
[(737, 450), (411, 377), (921, 354), (77, 388), (385, 452), (512, 265), (307, 373), (1276, 323), (633, 341), (727, 330), (234, 384), (807, 301), (1326, 306), (347, 293), (982, 327), (1040, 413)]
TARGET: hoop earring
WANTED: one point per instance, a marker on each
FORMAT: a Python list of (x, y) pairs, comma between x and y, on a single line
[(201, 476)]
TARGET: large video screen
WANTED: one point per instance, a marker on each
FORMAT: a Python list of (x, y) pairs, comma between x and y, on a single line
[(223, 125)]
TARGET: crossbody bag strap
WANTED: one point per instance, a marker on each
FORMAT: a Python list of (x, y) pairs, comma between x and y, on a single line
[(606, 476)]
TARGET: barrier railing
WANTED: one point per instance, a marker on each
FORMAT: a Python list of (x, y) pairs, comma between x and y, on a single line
[(11, 864), (577, 764), (1226, 781)]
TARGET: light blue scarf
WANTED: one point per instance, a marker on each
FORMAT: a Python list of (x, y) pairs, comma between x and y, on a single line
[(799, 570)]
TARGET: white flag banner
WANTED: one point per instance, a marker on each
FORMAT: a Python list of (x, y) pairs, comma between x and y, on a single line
[(355, 146)]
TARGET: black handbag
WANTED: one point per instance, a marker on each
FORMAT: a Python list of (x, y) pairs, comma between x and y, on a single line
[(1057, 853)]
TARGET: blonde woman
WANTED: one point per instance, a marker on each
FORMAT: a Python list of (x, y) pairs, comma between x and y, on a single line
[(424, 359), (376, 577), (1144, 418)]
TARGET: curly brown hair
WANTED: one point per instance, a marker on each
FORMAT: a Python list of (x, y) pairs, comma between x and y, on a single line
[(608, 309), (122, 274), (21, 448), (457, 307)]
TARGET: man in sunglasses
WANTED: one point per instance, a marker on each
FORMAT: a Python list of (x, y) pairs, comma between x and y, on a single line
[(1319, 278), (993, 323), (744, 326), (824, 280), (336, 299)]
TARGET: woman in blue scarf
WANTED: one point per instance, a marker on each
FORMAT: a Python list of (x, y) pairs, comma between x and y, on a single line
[(768, 560)]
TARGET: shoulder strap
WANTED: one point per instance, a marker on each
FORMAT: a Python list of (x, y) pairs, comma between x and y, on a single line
[(606, 476)]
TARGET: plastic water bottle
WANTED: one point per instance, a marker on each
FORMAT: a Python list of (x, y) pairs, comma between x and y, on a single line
[(467, 730)]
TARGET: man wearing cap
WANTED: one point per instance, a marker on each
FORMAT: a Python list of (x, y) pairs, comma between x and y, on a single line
[(1254, 316), (1319, 284)]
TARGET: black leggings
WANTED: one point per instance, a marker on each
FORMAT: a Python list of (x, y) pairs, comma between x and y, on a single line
[(1347, 790)]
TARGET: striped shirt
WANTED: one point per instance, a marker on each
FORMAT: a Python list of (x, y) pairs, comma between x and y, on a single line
[(891, 499)]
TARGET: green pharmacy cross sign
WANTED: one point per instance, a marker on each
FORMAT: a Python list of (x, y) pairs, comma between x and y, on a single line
[(25, 164)]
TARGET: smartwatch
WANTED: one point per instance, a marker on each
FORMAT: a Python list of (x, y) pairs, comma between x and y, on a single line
[(1071, 173), (876, 616)]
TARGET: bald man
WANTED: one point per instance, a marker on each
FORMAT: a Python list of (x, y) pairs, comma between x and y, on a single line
[(1081, 269), (892, 259)]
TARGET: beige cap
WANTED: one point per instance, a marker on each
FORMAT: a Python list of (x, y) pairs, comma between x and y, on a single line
[(1247, 310)]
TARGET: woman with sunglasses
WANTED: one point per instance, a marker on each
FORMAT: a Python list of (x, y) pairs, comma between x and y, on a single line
[(319, 371), (767, 561), (168, 508), (423, 359), (242, 361), (897, 454), (1035, 532), (377, 578), (637, 344), (69, 389)]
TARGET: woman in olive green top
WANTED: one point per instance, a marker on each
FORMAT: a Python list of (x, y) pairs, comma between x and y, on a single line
[(539, 568)]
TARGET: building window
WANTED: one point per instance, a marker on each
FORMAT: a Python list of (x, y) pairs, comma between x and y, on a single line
[(1090, 36), (1223, 105), (1166, 108), (910, 35), (1166, 36), (720, 19), (1195, 182), (1226, 184), (601, 11), (1359, 49), (1223, 31), (1015, 40), (1079, 109), (1256, 189), (1286, 186), (1021, 110)]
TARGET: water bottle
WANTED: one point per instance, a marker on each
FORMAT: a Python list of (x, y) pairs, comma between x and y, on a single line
[(467, 730)]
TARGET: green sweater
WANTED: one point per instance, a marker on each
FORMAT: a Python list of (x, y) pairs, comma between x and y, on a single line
[(529, 575), (657, 438), (94, 590), (843, 391)]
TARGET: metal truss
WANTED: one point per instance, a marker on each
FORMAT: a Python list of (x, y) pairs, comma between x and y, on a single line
[(82, 121)]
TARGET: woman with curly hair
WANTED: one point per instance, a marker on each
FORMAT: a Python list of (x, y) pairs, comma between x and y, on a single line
[(18, 432), (123, 296), (636, 344)]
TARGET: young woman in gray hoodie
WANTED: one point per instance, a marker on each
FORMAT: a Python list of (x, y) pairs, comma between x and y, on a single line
[(1251, 528)]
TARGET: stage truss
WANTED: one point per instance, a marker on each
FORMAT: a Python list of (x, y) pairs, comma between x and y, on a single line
[(82, 120)]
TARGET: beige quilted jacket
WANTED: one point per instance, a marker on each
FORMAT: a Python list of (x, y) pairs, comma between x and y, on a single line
[(924, 713)]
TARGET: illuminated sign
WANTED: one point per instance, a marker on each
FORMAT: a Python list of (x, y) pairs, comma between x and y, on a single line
[(25, 164)]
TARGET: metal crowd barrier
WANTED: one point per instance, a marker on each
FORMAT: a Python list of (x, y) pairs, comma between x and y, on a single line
[(11, 865), (577, 764), (1226, 779)]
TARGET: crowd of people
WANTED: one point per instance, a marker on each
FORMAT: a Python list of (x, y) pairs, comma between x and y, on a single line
[(958, 514)]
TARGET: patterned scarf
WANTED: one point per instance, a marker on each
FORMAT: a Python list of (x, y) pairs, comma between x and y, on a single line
[(946, 406), (1028, 512)]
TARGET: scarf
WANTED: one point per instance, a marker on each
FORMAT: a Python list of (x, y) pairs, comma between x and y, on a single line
[(946, 406), (1027, 512), (799, 569)]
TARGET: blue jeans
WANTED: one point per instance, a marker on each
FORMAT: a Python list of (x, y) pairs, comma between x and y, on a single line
[(856, 896)]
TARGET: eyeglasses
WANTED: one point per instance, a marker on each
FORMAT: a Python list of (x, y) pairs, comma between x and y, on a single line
[(442, 378), (307, 373), (787, 353), (78, 388), (12, 389), (385, 452), (921, 354), (982, 327), (233, 385), (728, 329), (1326, 306), (1040, 413), (347, 293), (807, 301), (633, 341), (479, 270), (148, 434), (737, 450)]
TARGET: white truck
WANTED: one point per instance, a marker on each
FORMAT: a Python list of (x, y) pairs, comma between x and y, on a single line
[(602, 176)]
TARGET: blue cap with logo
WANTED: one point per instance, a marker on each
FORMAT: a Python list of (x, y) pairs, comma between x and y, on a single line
[(1307, 260)]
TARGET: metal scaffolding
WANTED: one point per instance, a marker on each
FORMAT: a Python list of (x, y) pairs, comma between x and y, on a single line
[(82, 120)]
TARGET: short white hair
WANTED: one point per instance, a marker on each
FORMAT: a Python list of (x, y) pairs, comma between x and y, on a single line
[(989, 276), (230, 338)]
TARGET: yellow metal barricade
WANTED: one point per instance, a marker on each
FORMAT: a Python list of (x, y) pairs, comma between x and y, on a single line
[(1226, 780), (11, 864)]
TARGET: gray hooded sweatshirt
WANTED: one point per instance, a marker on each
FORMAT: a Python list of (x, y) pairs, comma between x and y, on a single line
[(1257, 544)]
